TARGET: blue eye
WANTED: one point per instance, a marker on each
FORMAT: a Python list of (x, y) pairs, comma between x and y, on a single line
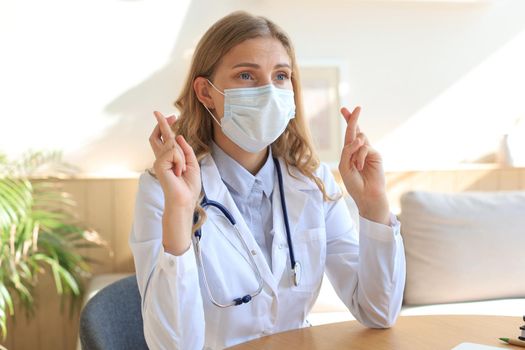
[(282, 76), (245, 76)]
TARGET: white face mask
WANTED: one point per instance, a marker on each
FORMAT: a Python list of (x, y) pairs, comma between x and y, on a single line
[(255, 117)]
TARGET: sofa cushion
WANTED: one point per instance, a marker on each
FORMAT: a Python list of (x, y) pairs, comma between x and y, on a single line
[(499, 307), (463, 246)]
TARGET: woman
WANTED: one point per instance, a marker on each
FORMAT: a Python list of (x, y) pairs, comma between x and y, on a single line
[(241, 141)]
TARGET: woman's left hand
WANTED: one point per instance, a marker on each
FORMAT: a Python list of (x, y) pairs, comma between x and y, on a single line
[(362, 171)]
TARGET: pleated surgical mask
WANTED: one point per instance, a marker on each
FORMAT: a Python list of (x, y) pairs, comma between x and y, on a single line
[(255, 117)]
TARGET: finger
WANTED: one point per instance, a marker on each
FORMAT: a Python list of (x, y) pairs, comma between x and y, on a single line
[(155, 141), (189, 154), (172, 155), (165, 159), (363, 137), (354, 146), (351, 123), (360, 157), (349, 151), (164, 126), (178, 156), (181, 155)]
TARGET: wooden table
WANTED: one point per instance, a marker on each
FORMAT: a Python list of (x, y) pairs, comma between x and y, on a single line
[(409, 332)]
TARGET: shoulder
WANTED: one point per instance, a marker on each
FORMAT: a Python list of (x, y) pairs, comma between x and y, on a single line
[(149, 189), (324, 172), (148, 180)]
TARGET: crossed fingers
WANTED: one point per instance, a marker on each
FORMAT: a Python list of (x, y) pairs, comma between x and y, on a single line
[(163, 143), (356, 145)]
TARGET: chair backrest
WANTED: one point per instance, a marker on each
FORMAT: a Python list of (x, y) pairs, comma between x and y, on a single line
[(112, 319)]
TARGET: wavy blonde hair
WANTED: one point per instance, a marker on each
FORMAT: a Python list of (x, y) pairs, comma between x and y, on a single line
[(195, 124)]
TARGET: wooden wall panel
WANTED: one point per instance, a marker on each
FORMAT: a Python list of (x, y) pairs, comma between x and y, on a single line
[(509, 179), (483, 179), (77, 188), (9, 342), (70, 328), (124, 194), (466, 180), (489, 181), (48, 316), (100, 214), (27, 334)]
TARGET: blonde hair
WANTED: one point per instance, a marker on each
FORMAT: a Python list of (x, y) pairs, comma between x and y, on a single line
[(195, 124)]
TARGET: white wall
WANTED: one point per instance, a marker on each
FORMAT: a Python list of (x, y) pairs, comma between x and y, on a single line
[(439, 81)]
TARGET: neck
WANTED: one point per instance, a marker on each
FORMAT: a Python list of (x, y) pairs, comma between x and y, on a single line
[(252, 162)]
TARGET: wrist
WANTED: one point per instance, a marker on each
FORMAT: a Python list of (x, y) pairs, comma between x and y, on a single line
[(183, 209), (177, 223), (375, 209), (176, 249)]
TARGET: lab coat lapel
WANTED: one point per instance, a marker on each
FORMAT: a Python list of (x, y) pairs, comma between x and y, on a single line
[(296, 200), (215, 189)]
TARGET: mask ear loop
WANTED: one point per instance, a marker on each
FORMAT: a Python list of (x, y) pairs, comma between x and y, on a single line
[(220, 92), (216, 121)]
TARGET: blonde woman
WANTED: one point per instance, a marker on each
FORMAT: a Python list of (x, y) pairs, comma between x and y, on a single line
[(239, 220)]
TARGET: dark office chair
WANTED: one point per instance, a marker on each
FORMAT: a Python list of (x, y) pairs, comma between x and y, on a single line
[(112, 319)]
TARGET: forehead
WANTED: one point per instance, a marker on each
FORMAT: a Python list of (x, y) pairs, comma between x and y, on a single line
[(265, 51)]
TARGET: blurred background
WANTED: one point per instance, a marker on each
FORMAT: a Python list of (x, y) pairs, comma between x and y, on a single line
[(441, 84)]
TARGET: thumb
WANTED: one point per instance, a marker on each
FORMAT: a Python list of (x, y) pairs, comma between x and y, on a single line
[(191, 159)]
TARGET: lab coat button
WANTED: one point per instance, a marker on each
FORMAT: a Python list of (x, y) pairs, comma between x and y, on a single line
[(171, 262), (281, 246)]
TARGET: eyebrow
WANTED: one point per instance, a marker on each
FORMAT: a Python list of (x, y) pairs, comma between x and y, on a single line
[(255, 65)]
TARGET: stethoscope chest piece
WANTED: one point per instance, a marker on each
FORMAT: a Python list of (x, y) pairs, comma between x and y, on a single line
[(297, 274)]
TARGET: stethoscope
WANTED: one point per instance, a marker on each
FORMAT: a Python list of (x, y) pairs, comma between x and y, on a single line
[(295, 265)]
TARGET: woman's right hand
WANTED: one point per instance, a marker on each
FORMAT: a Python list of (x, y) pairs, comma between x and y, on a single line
[(176, 166)]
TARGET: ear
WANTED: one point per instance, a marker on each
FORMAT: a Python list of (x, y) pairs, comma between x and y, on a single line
[(201, 88)]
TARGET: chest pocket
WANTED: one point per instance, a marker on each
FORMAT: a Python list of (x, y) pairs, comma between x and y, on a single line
[(310, 252)]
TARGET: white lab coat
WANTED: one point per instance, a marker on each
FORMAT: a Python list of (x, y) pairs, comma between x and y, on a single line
[(367, 269)]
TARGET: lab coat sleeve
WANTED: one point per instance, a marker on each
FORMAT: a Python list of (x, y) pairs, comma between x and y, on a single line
[(172, 308), (366, 268)]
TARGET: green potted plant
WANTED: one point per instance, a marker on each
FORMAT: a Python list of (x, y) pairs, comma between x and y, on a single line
[(39, 233)]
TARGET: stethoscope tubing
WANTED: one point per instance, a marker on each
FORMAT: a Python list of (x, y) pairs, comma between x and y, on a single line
[(285, 215), (295, 266)]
